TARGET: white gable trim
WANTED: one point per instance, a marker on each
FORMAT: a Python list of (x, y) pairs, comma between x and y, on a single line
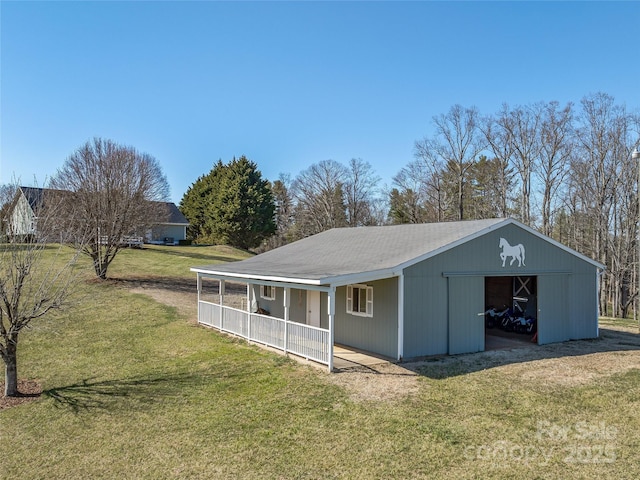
[(261, 280), (336, 281), (244, 277)]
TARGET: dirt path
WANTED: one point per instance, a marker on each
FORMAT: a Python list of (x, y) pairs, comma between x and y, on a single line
[(185, 303), (570, 363)]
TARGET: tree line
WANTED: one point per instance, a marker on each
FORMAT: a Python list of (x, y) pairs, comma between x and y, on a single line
[(565, 170), (233, 204)]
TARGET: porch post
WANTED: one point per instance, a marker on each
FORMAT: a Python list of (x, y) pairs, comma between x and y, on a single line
[(199, 287), (401, 315), (287, 304), (332, 313)]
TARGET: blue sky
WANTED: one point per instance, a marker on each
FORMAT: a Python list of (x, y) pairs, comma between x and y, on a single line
[(288, 84)]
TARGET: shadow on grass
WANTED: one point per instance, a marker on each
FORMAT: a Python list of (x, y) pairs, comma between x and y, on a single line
[(90, 394), (174, 284), (442, 367)]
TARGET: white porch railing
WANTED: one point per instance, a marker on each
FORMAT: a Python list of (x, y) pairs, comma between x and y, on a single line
[(306, 341)]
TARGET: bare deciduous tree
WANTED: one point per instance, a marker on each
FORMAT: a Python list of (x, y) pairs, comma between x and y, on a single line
[(426, 172), (359, 192), (522, 125), (118, 193), (571, 168), (498, 137), (319, 195), (412, 200), (556, 146), (598, 132), (284, 212), (600, 175), (33, 281), (458, 142)]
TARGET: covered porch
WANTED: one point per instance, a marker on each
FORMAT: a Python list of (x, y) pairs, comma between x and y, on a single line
[(291, 334)]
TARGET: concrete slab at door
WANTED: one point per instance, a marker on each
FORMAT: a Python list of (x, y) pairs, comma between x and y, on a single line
[(466, 326)]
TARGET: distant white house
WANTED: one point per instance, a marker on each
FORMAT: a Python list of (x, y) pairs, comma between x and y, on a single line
[(23, 218)]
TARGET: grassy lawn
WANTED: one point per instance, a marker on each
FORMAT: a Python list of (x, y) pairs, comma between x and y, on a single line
[(174, 262), (134, 389), (629, 323)]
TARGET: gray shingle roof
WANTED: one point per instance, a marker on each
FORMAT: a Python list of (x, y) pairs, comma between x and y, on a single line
[(175, 215), (35, 196), (339, 252)]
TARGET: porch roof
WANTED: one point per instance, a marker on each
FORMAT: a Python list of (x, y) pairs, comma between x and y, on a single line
[(348, 255)]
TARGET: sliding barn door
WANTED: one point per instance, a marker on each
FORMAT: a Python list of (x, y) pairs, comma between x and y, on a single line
[(466, 314)]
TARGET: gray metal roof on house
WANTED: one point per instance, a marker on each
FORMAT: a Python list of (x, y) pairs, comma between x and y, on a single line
[(175, 215), (345, 252), (35, 196)]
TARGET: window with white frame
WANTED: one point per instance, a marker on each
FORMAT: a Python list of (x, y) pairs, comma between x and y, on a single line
[(360, 300), (268, 292)]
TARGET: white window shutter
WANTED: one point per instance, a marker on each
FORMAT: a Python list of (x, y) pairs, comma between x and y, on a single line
[(268, 292), (349, 299), (370, 301)]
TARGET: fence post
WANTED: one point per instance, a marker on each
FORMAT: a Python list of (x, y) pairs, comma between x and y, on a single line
[(199, 283)]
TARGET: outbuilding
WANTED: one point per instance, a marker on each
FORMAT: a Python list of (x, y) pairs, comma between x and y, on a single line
[(406, 291)]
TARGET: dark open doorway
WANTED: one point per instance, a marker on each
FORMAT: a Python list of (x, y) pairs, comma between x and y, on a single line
[(510, 311)]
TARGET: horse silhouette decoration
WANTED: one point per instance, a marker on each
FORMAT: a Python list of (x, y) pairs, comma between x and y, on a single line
[(516, 252)]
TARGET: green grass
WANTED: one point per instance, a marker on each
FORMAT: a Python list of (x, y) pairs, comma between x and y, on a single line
[(162, 261), (134, 390), (618, 322)]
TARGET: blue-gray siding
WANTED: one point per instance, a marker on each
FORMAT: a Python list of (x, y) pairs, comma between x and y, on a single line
[(566, 289), (466, 327), (377, 334), (160, 232), (297, 305)]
